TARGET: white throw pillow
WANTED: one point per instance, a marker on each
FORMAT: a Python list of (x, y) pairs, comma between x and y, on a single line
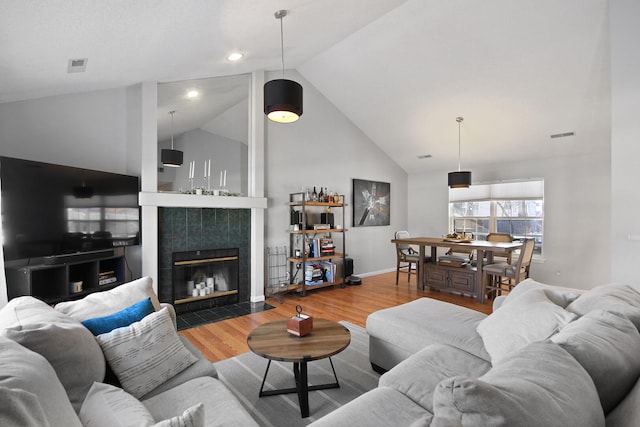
[(528, 318), (191, 417), (100, 304), (624, 299), (559, 295), (145, 354), (108, 406)]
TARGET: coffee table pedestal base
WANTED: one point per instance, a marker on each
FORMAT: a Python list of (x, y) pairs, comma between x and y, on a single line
[(302, 387)]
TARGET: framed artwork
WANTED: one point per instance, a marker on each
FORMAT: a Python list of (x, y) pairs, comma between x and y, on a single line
[(371, 203)]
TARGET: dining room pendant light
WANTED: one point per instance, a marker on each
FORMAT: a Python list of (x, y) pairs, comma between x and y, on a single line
[(282, 97), (170, 157), (459, 179)]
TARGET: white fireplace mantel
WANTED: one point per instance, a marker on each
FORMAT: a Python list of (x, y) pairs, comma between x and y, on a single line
[(179, 200)]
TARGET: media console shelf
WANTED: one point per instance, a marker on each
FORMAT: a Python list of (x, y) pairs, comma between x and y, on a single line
[(52, 283)]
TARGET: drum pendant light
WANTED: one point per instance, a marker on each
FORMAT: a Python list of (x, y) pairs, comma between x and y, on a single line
[(459, 179), (170, 157), (282, 98)]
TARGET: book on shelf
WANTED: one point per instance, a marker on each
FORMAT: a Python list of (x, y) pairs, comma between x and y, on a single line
[(329, 270), (107, 279)]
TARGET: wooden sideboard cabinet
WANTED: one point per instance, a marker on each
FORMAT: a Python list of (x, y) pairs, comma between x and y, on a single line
[(451, 279)]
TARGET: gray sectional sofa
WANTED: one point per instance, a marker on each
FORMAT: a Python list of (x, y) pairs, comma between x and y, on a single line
[(546, 356), (52, 368)]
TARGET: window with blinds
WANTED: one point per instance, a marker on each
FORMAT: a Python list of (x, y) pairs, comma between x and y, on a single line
[(516, 208)]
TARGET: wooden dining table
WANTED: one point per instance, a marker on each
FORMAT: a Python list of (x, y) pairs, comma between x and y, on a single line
[(483, 249)]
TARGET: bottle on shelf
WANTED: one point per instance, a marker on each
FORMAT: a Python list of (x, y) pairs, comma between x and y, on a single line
[(321, 195), (330, 198), (314, 195)]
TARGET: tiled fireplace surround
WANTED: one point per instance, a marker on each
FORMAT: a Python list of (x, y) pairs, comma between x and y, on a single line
[(187, 229)]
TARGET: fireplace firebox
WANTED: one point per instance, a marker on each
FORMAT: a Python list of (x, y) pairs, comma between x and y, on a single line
[(205, 278)]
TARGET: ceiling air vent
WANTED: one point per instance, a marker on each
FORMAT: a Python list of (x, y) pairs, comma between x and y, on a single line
[(562, 135), (78, 65)]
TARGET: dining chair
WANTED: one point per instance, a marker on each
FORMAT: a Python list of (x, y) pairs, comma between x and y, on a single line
[(406, 256), (504, 238), (504, 276)]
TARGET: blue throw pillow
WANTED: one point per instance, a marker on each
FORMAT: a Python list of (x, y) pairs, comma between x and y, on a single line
[(132, 314)]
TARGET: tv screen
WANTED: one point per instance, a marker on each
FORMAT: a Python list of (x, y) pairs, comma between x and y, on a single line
[(52, 209)]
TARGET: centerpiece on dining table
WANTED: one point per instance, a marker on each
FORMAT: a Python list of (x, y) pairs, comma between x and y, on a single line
[(459, 237)]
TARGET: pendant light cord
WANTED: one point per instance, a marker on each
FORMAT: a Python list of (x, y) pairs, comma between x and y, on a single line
[(459, 120), (171, 112), (282, 14)]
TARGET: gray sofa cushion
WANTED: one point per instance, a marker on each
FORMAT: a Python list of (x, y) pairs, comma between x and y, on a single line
[(418, 376), (412, 326), (68, 346), (221, 408), (539, 385), (530, 317), (104, 303), (627, 413), (20, 408), (26, 370), (612, 297), (381, 407), (109, 406), (607, 345)]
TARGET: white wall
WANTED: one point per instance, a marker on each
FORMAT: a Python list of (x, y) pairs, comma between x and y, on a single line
[(576, 248), (625, 139), (88, 130), (324, 148)]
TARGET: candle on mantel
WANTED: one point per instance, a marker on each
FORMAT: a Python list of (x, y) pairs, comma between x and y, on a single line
[(209, 173), (224, 183), (220, 178)]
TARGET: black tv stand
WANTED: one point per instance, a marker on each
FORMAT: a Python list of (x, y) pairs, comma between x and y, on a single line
[(97, 270), (77, 257)]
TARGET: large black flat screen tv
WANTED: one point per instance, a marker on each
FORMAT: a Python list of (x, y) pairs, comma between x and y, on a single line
[(53, 211)]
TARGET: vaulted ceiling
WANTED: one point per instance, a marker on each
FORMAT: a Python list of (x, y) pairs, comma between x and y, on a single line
[(518, 71)]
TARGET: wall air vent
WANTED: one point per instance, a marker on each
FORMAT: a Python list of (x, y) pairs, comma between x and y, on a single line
[(424, 156), (562, 135), (78, 65)]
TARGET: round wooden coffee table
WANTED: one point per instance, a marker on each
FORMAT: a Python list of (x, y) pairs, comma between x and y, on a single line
[(272, 341)]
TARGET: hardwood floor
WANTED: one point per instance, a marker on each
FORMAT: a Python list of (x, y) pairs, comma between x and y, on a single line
[(228, 338)]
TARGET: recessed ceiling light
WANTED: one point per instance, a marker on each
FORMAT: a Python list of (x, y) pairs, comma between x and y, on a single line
[(424, 156), (235, 56), (193, 93)]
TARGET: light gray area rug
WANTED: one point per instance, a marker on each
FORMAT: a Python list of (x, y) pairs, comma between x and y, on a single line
[(243, 375)]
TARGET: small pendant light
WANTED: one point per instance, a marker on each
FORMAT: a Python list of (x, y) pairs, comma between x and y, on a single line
[(282, 98), (170, 157), (459, 179)]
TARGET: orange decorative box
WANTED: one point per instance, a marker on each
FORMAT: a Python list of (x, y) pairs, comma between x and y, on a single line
[(300, 325)]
